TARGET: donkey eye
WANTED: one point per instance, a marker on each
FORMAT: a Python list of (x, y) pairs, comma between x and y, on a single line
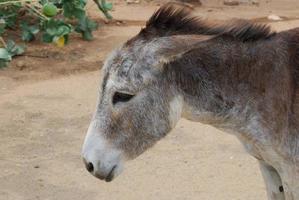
[(121, 97)]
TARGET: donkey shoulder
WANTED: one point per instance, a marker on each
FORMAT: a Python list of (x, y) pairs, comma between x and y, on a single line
[(292, 38)]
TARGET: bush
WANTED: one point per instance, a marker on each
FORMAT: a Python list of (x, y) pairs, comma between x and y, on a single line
[(54, 20)]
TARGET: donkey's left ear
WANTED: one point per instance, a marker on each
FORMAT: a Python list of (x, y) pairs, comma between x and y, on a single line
[(178, 46), (171, 56)]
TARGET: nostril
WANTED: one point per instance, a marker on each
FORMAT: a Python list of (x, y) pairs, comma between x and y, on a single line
[(89, 167)]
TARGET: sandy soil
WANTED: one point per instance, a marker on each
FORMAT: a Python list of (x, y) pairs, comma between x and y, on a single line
[(46, 106)]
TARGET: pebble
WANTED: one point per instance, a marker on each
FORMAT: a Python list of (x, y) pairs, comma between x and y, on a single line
[(238, 2), (132, 1), (274, 17), (231, 2), (197, 2), (255, 2), (20, 65)]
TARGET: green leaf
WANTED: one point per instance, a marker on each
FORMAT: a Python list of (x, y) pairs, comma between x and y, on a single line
[(4, 55), (3, 63), (57, 3), (27, 36), (85, 27), (14, 49), (108, 6), (9, 14), (104, 7), (28, 32), (43, 2), (87, 36), (47, 38), (63, 30), (74, 8), (54, 29)]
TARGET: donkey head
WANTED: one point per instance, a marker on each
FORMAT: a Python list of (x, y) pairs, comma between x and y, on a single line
[(137, 105), (136, 108), (140, 100)]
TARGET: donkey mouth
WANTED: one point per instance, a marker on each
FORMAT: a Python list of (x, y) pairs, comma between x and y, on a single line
[(109, 177)]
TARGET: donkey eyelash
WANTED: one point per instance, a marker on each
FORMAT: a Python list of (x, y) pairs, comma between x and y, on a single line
[(121, 97)]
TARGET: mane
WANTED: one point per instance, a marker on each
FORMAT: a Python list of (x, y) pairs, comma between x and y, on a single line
[(172, 19)]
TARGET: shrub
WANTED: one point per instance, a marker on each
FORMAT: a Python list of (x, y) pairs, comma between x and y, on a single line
[(54, 20)]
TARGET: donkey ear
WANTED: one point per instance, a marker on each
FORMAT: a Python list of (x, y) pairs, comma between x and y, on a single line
[(178, 46), (171, 56)]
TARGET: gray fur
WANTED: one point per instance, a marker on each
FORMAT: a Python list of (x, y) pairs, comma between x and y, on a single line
[(245, 87)]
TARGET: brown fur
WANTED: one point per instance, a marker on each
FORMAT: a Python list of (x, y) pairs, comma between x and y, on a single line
[(173, 20)]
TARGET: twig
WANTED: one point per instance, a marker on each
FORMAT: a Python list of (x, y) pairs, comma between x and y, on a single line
[(3, 42), (14, 2), (39, 14), (28, 5), (34, 56), (7, 16), (105, 12)]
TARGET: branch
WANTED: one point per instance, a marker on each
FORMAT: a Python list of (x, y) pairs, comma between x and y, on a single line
[(3, 42), (105, 12), (14, 2)]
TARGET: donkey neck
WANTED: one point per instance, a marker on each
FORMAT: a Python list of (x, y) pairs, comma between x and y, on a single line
[(230, 85)]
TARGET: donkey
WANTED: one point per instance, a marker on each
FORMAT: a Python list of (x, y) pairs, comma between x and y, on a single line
[(239, 77)]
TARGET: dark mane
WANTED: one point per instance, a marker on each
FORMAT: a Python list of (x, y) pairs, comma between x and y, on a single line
[(172, 19)]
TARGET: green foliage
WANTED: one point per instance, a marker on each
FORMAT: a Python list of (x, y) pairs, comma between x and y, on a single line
[(105, 7), (2, 26), (55, 29), (29, 32), (4, 57), (57, 3), (11, 49), (9, 13), (50, 10), (74, 8), (14, 49), (85, 27), (50, 19)]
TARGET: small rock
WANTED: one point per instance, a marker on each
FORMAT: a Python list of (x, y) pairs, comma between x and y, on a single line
[(133, 1), (255, 2), (231, 2), (197, 2), (36, 166), (106, 21), (252, 2), (274, 17), (20, 65)]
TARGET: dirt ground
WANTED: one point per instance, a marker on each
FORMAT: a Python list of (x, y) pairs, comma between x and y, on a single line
[(47, 99)]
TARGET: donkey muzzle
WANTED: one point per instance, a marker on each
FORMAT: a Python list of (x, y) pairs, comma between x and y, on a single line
[(101, 158), (106, 174)]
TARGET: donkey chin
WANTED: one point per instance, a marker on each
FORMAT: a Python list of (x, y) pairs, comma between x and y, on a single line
[(101, 159)]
